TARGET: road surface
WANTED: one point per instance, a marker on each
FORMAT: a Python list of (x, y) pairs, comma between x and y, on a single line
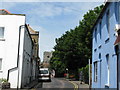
[(55, 83)]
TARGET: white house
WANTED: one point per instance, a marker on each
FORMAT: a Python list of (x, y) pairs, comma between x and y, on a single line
[(16, 49)]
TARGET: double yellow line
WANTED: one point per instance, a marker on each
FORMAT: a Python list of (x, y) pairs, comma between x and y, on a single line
[(75, 85)]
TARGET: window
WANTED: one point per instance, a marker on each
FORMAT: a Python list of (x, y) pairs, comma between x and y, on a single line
[(1, 32), (0, 64), (96, 34), (108, 21), (48, 56), (119, 13), (108, 69), (99, 56), (100, 31), (95, 72)]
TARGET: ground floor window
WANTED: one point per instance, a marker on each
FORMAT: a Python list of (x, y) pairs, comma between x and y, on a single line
[(0, 63), (108, 68), (95, 71)]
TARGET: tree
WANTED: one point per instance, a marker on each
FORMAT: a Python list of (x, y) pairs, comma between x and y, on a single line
[(74, 48)]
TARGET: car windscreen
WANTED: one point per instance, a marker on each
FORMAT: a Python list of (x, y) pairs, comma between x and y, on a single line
[(43, 71)]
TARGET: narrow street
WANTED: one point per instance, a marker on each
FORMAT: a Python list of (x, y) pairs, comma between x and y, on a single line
[(55, 83)]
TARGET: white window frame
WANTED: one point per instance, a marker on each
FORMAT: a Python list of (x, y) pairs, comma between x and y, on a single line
[(108, 69), (2, 38), (95, 71), (96, 34), (108, 22), (100, 29)]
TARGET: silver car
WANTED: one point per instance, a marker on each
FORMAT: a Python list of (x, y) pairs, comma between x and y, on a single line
[(44, 75)]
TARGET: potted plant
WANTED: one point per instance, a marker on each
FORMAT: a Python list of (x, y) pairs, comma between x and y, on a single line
[(4, 83)]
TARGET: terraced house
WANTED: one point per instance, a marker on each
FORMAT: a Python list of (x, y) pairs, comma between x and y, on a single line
[(19, 59), (106, 48)]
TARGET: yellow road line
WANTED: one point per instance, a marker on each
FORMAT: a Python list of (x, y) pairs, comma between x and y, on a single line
[(75, 85)]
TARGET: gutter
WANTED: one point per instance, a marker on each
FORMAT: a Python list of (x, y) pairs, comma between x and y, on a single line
[(17, 67)]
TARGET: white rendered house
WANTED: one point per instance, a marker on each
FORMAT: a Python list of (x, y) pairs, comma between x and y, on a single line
[(16, 47)]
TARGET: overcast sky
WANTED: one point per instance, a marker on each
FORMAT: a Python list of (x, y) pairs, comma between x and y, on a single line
[(51, 19)]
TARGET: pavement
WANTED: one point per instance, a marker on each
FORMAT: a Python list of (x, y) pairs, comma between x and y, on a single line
[(32, 84), (78, 84), (27, 87)]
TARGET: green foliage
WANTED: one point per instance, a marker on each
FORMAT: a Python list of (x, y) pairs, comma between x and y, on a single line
[(85, 73), (3, 80), (74, 48)]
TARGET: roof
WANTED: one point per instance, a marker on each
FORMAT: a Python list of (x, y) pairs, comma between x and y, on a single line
[(101, 14), (6, 12), (117, 41), (31, 30)]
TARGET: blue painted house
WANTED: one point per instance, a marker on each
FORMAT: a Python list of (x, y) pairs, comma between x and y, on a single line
[(106, 48)]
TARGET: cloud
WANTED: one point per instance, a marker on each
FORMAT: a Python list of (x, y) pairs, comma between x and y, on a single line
[(45, 10), (37, 28)]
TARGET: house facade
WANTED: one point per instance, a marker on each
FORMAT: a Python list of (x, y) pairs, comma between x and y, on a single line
[(105, 48), (35, 58), (16, 50)]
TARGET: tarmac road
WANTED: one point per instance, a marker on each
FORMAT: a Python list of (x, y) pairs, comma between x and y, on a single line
[(56, 83)]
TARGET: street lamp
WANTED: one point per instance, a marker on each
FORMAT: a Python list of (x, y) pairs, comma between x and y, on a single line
[(67, 72)]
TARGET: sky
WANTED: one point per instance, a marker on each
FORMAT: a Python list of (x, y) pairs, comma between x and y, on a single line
[(51, 19)]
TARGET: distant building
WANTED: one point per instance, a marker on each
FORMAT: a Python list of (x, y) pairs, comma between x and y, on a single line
[(46, 58), (17, 62), (106, 48)]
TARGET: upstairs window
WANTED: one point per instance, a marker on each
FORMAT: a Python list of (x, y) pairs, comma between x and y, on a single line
[(100, 31), (96, 34), (1, 32), (108, 21)]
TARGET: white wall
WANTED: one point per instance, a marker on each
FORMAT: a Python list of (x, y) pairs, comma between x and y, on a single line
[(25, 72), (9, 47)]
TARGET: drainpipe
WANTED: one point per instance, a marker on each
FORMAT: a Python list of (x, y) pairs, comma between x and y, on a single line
[(17, 67), (116, 53)]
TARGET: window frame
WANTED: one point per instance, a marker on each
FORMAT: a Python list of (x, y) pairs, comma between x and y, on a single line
[(108, 22), (2, 28), (1, 64), (108, 68), (100, 29), (96, 34), (95, 71)]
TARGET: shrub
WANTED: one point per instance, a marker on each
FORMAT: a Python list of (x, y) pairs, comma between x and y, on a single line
[(3, 80), (85, 73)]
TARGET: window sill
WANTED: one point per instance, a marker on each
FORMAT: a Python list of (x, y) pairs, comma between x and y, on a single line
[(95, 50), (100, 46), (107, 40), (95, 81), (107, 85), (1, 39), (1, 71)]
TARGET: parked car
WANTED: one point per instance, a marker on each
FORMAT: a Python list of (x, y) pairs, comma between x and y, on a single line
[(44, 74)]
